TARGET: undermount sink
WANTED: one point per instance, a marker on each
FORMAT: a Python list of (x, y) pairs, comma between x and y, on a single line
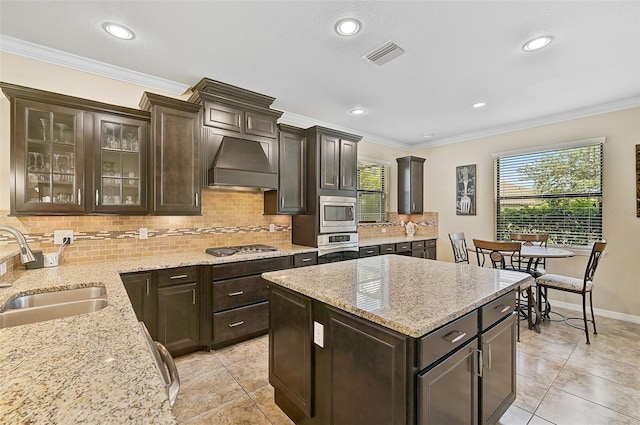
[(52, 305)]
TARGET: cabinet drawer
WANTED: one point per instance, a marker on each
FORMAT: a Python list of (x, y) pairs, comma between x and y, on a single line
[(247, 268), (417, 245), (240, 322), (177, 276), (404, 246), (497, 309), (387, 248), (446, 339), (305, 259), (369, 251), (431, 243), (238, 292)]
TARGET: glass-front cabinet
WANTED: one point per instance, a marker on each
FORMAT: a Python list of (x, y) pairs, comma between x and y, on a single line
[(119, 164), (49, 158)]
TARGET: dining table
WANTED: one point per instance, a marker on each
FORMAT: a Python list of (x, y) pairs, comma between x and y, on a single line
[(534, 254)]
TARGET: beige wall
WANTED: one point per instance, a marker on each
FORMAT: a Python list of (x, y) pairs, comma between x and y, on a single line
[(617, 280)]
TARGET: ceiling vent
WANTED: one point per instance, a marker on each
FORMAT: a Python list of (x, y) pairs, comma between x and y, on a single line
[(383, 54)]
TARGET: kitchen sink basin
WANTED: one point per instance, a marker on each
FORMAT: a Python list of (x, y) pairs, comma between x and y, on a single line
[(52, 305)]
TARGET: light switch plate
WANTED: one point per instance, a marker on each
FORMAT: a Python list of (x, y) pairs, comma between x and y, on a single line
[(144, 233), (3, 268), (318, 334)]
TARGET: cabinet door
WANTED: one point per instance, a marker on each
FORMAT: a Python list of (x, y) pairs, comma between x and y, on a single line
[(48, 150), (367, 371), (260, 125), (143, 294), (417, 187), (223, 116), (448, 393), (176, 165), (290, 346), (178, 318), (499, 371), (329, 162), (348, 165), (120, 165), (291, 191)]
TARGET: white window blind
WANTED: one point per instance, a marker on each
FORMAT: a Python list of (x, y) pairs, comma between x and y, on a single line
[(373, 192), (558, 192)]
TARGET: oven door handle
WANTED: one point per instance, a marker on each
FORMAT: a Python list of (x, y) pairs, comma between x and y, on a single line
[(333, 249)]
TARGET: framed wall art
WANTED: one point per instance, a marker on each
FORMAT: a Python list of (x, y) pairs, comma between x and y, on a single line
[(637, 180), (466, 190)]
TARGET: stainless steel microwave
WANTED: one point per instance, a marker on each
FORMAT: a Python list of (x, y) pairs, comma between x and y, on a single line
[(337, 214)]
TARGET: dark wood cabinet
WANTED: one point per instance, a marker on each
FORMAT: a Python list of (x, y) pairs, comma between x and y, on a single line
[(338, 163), (448, 393), (175, 155), (410, 185), (143, 293), (291, 196), (305, 259), (75, 156), (419, 248), (120, 165), (348, 165), (240, 295)]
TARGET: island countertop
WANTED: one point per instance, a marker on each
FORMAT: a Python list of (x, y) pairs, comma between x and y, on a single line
[(90, 368), (412, 296)]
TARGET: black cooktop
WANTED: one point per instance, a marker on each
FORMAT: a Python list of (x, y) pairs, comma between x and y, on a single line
[(242, 249)]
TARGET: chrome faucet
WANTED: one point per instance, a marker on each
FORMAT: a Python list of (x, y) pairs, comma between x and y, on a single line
[(26, 256)]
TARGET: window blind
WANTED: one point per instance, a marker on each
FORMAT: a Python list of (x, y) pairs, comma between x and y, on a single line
[(558, 192), (373, 192)]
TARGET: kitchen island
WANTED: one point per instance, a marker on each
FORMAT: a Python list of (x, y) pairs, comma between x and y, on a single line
[(393, 340)]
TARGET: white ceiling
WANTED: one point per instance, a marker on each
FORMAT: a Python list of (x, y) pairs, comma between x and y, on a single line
[(457, 53)]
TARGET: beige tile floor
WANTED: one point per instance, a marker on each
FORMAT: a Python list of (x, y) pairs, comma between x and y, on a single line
[(560, 380)]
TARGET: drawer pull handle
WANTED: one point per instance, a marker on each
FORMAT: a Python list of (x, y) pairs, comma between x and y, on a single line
[(449, 337), (235, 294), (480, 362), (193, 299), (147, 287), (180, 276), (233, 325), (505, 308), (304, 260)]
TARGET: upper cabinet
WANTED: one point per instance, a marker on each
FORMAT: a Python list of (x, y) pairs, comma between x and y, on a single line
[(174, 155), (75, 156), (410, 185), (290, 198), (334, 159)]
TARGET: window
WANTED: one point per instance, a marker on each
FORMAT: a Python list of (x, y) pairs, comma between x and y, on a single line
[(373, 192), (557, 191)]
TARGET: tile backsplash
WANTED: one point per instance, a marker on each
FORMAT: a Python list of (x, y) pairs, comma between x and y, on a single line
[(228, 218)]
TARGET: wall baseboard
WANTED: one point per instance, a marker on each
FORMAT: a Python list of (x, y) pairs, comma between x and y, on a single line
[(600, 312)]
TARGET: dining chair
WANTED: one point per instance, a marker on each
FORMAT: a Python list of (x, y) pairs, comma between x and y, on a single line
[(459, 245), (506, 256), (533, 239), (575, 285)]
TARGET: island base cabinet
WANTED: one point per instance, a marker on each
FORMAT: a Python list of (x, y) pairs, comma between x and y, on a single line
[(448, 393), (498, 382), (178, 318)]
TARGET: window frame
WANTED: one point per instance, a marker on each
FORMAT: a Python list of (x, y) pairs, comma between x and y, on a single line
[(522, 156), (383, 192)]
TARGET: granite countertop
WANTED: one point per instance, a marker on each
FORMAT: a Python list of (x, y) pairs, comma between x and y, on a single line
[(91, 368), (392, 239), (412, 296)]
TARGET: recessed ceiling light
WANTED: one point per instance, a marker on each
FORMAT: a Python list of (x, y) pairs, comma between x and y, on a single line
[(118, 31), (479, 104), (358, 111), (348, 26), (537, 43)]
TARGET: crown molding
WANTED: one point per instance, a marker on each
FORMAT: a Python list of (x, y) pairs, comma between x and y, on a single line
[(69, 60), (588, 111), (306, 122)]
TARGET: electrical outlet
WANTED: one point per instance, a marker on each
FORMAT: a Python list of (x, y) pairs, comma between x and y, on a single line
[(383, 230), (143, 232), (3, 268), (272, 227), (60, 235)]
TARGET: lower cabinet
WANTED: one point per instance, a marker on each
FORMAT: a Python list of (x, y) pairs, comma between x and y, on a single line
[(420, 249), (143, 293), (329, 366), (178, 318)]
